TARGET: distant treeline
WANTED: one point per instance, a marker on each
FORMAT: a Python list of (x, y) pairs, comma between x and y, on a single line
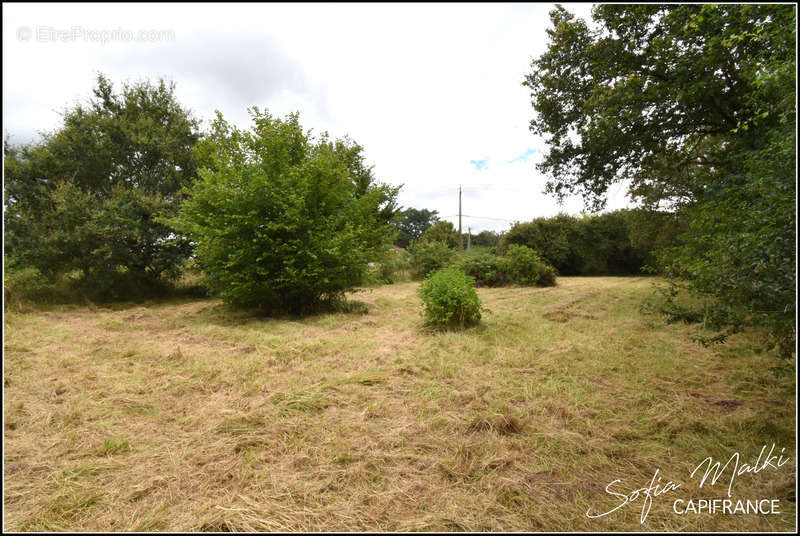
[(622, 242)]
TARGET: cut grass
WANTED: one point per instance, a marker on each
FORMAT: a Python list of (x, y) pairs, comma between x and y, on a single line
[(184, 416)]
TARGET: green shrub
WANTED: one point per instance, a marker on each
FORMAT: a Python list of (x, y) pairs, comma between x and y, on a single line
[(428, 256), (281, 221), (547, 275), (450, 299), (488, 270), (527, 268), (25, 282), (520, 265), (29, 285)]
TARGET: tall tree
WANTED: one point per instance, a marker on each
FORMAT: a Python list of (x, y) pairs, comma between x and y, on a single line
[(87, 199), (412, 223), (695, 106), (661, 95)]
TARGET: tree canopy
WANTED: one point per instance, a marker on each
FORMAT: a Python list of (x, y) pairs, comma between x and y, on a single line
[(662, 95), (695, 106), (86, 200), (412, 223)]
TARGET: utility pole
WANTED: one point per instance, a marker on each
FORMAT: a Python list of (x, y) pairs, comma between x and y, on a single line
[(469, 238), (460, 239)]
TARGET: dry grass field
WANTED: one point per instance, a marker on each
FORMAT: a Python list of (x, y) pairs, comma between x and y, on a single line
[(182, 415)]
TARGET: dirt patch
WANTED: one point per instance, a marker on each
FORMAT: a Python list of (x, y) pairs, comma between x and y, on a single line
[(565, 315), (728, 404), (563, 311)]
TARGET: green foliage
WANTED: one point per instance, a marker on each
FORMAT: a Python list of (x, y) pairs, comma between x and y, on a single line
[(555, 239), (411, 224), (614, 243), (547, 275), (428, 256), (442, 231), (695, 105), (450, 299), (87, 200), (740, 249), (24, 283), (488, 270), (520, 266), (526, 267), (655, 93), (280, 221), (391, 267), (486, 238)]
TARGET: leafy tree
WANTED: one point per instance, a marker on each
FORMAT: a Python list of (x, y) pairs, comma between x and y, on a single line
[(741, 248), (442, 231), (281, 221), (695, 106), (604, 245), (657, 93), (486, 238), (651, 231), (87, 199), (412, 223)]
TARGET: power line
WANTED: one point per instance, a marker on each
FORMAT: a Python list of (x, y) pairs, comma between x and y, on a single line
[(478, 217)]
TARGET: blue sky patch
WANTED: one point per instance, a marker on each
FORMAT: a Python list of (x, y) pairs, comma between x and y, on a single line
[(524, 157), (480, 165)]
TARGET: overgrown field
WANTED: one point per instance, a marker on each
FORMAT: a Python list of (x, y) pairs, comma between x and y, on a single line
[(183, 415)]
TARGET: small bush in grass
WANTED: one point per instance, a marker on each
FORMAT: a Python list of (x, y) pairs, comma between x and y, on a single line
[(450, 299), (26, 282), (428, 256)]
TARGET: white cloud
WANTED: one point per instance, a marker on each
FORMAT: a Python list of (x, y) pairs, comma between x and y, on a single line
[(425, 88)]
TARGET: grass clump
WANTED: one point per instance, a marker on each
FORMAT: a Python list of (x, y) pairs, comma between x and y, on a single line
[(115, 445), (450, 299)]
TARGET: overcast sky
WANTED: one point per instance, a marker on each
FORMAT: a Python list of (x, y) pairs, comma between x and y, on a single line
[(432, 92)]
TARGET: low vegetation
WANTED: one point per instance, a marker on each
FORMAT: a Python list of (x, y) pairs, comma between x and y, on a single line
[(185, 415), (450, 300), (519, 266)]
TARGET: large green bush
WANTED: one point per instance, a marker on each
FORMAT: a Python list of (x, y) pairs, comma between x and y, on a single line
[(615, 243), (524, 265), (488, 270), (519, 265), (428, 256), (450, 299), (282, 222), (695, 108)]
